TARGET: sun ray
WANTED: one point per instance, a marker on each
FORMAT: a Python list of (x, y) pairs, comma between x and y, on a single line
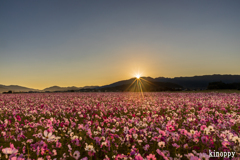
[(149, 82), (130, 84), (137, 85), (141, 88), (142, 84)]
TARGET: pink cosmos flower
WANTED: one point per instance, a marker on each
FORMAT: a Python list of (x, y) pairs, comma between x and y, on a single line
[(170, 128), (16, 158), (204, 139), (183, 131), (194, 158), (151, 156), (138, 157), (90, 153), (226, 144), (18, 118), (189, 155), (196, 140), (175, 145), (106, 158), (12, 146), (48, 157), (146, 147), (203, 127), (162, 133), (58, 144), (166, 153), (23, 149), (185, 146), (204, 156), (54, 152), (161, 154)]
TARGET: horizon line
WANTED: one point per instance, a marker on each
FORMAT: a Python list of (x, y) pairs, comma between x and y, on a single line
[(122, 80)]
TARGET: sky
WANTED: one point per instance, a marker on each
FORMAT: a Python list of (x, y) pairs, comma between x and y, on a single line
[(81, 43)]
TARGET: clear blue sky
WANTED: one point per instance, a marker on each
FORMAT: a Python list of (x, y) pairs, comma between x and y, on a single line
[(78, 43)]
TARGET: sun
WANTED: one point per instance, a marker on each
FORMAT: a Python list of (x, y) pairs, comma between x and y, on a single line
[(137, 76)]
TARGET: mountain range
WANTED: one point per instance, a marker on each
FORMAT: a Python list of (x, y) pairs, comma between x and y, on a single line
[(16, 88), (195, 82), (200, 82), (57, 88)]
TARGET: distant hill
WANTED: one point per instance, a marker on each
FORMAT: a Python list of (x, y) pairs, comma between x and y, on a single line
[(196, 82), (221, 85), (146, 83), (2, 89), (200, 82), (124, 82), (15, 88), (57, 88), (89, 87)]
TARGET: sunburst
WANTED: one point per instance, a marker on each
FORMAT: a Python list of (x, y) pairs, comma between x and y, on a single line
[(138, 76), (137, 84)]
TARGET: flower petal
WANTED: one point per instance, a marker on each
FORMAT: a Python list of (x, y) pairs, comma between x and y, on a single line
[(45, 133)]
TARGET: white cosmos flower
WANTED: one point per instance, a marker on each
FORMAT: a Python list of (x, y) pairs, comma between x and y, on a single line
[(211, 128), (135, 136), (230, 136), (76, 155), (71, 134), (89, 148), (206, 131), (236, 139), (192, 131), (113, 130), (74, 137), (203, 156), (99, 129), (9, 151), (161, 144), (95, 132), (104, 144), (48, 136)]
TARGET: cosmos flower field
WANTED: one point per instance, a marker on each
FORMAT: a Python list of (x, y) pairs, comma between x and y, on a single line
[(118, 125)]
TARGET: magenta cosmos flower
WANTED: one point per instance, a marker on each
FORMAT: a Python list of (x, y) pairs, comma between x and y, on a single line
[(170, 128)]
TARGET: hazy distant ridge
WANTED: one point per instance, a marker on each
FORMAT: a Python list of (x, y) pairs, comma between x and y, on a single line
[(16, 88)]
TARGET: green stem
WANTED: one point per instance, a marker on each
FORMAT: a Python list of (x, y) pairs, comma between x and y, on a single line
[(28, 151)]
